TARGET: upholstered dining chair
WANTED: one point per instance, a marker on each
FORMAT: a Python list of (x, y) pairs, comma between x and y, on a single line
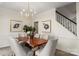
[(18, 49), (49, 49), (44, 36), (36, 35)]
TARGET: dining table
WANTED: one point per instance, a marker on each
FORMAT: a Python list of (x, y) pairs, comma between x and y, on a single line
[(33, 43)]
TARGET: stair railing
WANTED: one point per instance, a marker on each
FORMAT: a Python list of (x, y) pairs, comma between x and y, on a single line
[(67, 23)]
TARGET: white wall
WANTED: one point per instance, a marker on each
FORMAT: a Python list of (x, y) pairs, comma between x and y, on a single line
[(67, 41), (5, 16), (77, 14), (47, 15)]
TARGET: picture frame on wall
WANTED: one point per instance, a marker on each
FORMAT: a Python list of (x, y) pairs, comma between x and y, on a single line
[(15, 26), (46, 26)]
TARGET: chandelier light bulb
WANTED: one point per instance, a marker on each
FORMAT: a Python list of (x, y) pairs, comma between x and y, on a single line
[(31, 10), (26, 14), (23, 10), (21, 13)]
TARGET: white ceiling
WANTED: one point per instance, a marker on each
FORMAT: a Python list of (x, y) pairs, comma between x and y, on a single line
[(37, 6), (68, 11)]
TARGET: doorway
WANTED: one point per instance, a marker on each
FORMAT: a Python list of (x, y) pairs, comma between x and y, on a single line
[(36, 26)]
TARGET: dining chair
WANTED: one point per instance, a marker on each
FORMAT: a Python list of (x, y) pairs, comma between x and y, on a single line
[(22, 34), (18, 49), (36, 35), (49, 49), (44, 36)]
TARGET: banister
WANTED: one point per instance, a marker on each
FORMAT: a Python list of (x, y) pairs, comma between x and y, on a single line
[(66, 17)]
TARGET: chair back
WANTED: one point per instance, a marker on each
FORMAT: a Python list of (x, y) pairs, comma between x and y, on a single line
[(49, 49), (44, 36), (37, 35), (17, 48)]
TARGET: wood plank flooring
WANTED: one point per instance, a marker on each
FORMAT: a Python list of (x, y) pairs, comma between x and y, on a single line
[(62, 53)]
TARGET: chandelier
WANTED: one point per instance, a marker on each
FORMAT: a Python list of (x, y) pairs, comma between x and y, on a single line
[(28, 12)]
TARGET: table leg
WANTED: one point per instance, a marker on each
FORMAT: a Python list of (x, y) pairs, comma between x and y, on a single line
[(34, 50), (33, 53)]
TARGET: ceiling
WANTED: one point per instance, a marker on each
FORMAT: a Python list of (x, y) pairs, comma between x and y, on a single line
[(37, 6), (68, 11)]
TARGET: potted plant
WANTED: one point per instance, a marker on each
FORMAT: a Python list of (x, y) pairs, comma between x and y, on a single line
[(29, 30)]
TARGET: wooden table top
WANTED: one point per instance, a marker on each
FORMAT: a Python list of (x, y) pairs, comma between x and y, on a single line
[(33, 42)]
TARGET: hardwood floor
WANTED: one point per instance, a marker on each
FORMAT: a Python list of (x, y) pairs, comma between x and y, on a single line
[(62, 53)]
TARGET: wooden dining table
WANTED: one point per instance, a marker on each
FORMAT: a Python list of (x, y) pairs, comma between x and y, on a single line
[(32, 42)]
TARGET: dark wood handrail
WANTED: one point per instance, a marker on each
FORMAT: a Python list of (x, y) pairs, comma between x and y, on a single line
[(66, 17)]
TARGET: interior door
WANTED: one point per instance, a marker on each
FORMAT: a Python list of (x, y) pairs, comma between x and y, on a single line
[(36, 26)]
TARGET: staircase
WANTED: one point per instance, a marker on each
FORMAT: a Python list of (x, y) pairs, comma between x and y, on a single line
[(66, 22)]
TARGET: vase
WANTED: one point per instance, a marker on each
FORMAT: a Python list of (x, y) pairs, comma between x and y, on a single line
[(31, 36)]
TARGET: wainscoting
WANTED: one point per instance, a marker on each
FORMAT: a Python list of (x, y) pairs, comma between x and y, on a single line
[(62, 53), (6, 51)]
